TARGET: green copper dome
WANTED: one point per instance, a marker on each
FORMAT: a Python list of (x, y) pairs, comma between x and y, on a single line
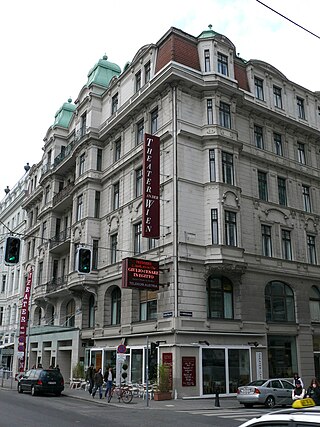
[(64, 114), (102, 72), (207, 33)]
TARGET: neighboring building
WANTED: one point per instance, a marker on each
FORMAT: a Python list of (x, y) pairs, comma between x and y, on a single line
[(239, 246), (12, 222)]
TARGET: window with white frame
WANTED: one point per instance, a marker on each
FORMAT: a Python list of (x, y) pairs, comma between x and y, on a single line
[(116, 306), (148, 305), (114, 103), (227, 168), (82, 160), (311, 245), (277, 96), (225, 115), (222, 64), (258, 86), (113, 248), (152, 243), (286, 244), (301, 153), (116, 195), (139, 132), (212, 165), (300, 107), (306, 198), (83, 124), (79, 211), (147, 72), (214, 227), (258, 137), (277, 140), (138, 81), (209, 112), (207, 65), (137, 238), (230, 228), (138, 182), (266, 240)]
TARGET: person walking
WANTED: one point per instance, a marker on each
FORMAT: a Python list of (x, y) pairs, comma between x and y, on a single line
[(98, 382), (314, 391), (296, 377), (108, 377), (90, 377), (298, 392)]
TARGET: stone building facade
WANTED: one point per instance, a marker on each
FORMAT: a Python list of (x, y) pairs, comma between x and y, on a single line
[(239, 247)]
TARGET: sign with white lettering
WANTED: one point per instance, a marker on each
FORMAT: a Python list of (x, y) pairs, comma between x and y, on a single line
[(151, 187), (140, 273), (24, 322)]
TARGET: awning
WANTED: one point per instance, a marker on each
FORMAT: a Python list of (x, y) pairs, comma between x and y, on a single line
[(10, 344)]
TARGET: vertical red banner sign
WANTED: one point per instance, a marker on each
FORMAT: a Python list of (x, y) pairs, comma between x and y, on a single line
[(151, 187), (167, 361), (24, 323)]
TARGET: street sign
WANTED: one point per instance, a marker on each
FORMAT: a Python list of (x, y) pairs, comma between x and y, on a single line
[(121, 348)]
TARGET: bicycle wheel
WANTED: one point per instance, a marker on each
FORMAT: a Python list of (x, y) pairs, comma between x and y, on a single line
[(126, 396)]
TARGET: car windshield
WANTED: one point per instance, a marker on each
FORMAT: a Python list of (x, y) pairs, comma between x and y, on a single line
[(258, 383)]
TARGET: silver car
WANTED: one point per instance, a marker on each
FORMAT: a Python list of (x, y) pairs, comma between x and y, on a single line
[(275, 391)]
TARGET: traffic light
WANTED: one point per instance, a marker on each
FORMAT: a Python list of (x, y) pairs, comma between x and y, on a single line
[(12, 250), (84, 260)]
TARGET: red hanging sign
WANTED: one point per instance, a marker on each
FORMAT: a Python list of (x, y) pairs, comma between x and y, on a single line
[(24, 317)]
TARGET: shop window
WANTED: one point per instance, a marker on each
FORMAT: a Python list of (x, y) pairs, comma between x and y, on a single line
[(279, 302), (282, 356), (220, 298)]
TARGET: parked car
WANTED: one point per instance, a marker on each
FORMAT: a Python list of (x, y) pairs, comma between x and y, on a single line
[(274, 391), (306, 417), (41, 381)]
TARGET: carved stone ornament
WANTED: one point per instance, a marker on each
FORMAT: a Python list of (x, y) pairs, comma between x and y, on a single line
[(231, 270)]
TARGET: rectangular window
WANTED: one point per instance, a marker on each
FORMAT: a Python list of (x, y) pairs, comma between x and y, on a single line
[(83, 128), (222, 64), (138, 81), (40, 273), (3, 283), (263, 185), (44, 230), (277, 96), (152, 243), (138, 182), (117, 149), (258, 137), (79, 207), (230, 228), (227, 168), (148, 305), (99, 159), (46, 194), (301, 153), (207, 66), (116, 195), (1, 316), (311, 243), (282, 191), (258, 86), (114, 103), (147, 72), (286, 244), (113, 248), (95, 254), (266, 240), (209, 112), (82, 160), (139, 132), (225, 115), (97, 204), (277, 139), (212, 165), (154, 121), (137, 238), (306, 198), (214, 227), (300, 106)]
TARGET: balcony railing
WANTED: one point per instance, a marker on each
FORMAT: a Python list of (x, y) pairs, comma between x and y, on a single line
[(57, 283), (62, 194), (60, 238), (80, 133)]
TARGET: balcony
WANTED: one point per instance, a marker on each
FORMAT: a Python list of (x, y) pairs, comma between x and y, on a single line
[(60, 242), (61, 199), (57, 284), (65, 154)]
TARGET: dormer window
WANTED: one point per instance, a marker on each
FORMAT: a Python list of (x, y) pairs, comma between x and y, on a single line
[(258, 86), (207, 66), (147, 72), (138, 81), (301, 111), (222, 64)]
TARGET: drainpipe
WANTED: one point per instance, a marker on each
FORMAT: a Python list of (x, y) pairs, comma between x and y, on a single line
[(175, 198)]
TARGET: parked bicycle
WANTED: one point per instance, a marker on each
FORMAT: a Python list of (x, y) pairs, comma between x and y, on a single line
[(122, 393)]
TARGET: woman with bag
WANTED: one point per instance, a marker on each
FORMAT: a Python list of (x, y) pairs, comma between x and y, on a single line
[(314, 391)]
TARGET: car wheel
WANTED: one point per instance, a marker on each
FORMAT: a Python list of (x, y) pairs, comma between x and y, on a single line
[(248, 405), (270, 402), (20, 388), (33, 391)]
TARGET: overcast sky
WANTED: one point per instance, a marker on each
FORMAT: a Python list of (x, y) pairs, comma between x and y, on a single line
[(48, 47)]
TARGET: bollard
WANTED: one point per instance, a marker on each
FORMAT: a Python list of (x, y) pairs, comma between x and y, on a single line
[(217, 402)]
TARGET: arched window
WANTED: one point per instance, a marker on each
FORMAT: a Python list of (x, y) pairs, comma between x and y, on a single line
[(314, 303), (279, 300), (70, 313), (91, 312), (219, 298), (115, 306)]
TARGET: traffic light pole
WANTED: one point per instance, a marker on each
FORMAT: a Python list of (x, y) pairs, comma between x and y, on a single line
[(147, 371)]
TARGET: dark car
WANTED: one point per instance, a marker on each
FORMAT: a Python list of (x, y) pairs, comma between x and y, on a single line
[(41, 381)]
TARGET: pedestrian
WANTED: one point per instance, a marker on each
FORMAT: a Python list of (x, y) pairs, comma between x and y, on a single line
[(90, 377), (296, 377), (108, 378), (57, 368), (314, 391), (98, 382), (298, 392)]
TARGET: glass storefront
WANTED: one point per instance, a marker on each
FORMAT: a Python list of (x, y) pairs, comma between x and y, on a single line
[(224, 369), (282, 356)]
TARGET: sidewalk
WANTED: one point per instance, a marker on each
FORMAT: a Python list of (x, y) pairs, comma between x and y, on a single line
[(190, 404)]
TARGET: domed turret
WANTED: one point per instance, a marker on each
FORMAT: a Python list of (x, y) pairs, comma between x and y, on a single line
[(64, 114), (102, 72), (207, 33)]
